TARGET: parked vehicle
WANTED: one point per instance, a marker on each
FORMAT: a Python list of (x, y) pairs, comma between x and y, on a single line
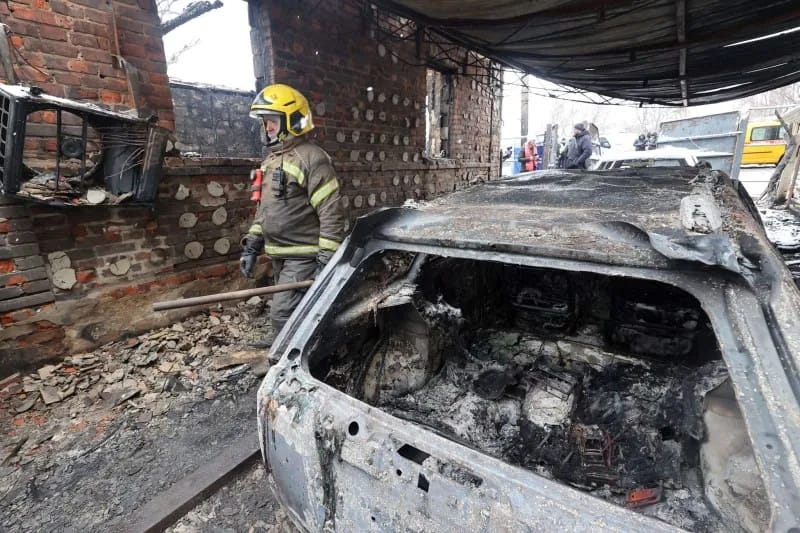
[(764, 143), (563, 351), (661, 157)]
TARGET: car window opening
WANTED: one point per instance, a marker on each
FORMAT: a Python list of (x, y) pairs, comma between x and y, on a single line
[(611, 385)]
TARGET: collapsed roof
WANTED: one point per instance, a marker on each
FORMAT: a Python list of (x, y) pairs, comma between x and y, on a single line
[(668, 52)]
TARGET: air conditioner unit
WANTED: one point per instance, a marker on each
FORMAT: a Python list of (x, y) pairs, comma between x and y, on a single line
[(67, 153)]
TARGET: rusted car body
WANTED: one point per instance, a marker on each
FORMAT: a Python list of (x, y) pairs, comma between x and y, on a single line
[(559, 351)]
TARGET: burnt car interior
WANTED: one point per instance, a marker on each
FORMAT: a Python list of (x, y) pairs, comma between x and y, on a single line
[(612, 385)]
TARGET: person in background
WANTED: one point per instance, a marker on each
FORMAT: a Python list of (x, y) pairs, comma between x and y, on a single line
[(562, 153), (652, 141), (528, 156), (579, 152), (640, 143)]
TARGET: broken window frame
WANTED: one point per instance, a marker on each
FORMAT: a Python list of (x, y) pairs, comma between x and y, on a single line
[(441, 101), (746, 342)]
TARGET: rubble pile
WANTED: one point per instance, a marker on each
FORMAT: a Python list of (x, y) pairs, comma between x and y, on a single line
[(70, 191), (143, 377), (783, 229), (612, 428), (141, 412)]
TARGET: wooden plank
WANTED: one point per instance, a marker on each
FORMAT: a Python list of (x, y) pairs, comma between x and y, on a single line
[(171, 504)]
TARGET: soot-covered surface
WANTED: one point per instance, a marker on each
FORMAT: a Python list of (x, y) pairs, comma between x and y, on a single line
[(607, 428)]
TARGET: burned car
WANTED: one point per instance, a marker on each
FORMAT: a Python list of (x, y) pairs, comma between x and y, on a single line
[(560, 351)]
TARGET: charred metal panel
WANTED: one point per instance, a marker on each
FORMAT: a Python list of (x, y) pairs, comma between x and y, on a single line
[(720, 136)]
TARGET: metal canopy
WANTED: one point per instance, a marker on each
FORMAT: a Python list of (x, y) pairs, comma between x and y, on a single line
[(668, 52)]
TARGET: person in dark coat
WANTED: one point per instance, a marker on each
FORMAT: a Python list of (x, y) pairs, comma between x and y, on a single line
[(640, 144), (578, 153)]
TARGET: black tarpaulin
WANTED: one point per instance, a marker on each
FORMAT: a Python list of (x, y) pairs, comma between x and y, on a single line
[(670, 52)]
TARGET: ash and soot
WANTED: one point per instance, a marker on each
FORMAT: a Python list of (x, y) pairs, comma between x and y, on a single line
[(605, 384)]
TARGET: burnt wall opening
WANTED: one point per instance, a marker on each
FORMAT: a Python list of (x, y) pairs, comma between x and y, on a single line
[(601, 383)]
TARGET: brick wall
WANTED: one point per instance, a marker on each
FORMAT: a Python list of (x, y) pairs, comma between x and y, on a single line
[(71, 44), (333, 54), (75, 278), (214, 121)]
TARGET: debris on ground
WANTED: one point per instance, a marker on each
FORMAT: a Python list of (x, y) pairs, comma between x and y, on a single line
[(142, 411), (611, 431), (783, 230), (249, 492)]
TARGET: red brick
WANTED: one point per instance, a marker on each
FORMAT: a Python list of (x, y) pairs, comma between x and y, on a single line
[(5, 226), (217, 270), (96, 55), (90, 28), (111, 97), (16, 280), (44, 336), (116, 294), (7, 266), (64, 7), (53, 33), (130, 290), (90, 41), (40, 16), (85, 276), (77, 65)]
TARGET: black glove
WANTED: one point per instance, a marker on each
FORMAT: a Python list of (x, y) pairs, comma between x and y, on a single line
[(252, 247)]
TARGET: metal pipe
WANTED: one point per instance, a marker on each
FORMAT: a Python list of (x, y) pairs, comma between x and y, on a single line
[(226, 296), (84, 136), (58, 147)]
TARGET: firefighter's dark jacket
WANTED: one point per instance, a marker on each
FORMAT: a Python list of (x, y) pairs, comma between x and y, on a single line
[(306, 220)]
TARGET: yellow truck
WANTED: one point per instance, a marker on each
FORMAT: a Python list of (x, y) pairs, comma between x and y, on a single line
[(764, 143)]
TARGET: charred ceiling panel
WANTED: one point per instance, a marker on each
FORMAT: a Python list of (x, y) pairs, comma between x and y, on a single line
[(69, 153), (654, 51)]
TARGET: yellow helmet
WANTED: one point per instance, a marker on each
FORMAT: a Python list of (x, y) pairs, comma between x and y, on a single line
[(289, 104)]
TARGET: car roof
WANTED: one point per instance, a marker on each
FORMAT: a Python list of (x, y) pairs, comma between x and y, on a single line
[(630, 217)]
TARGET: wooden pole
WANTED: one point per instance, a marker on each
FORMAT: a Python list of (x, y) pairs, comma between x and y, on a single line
[(226, 296)]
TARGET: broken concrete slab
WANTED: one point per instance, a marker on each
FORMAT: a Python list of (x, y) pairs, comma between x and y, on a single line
[(219, 216), (193, 250), (222, 246), (120, 267), (58, 261), (50, 395), (46, 372), (187, 220), (96, 196), (29, 402), (65, 278), (182, 193), (215, 189)]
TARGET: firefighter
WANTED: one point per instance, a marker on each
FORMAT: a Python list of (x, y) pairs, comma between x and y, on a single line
[(299, 222)]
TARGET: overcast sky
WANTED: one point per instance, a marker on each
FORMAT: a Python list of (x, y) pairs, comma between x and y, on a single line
[(222, 56)]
